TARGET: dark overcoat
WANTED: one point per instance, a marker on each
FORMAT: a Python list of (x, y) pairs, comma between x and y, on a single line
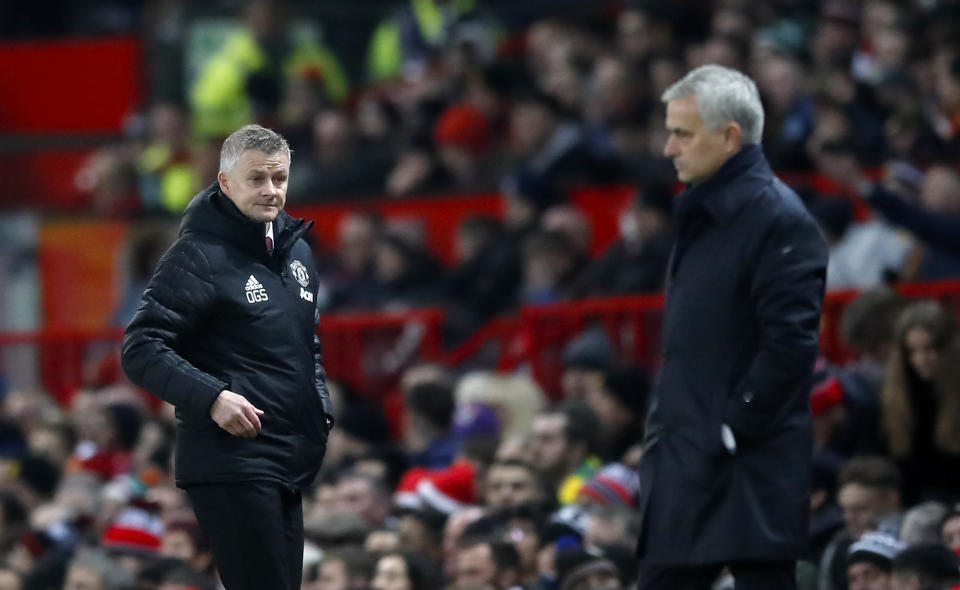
[(740, 335)]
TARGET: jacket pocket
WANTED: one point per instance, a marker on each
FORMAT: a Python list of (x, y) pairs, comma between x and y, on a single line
[(700, 457)]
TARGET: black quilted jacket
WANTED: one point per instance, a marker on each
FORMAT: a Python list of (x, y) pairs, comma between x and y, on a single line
[(219, 313)]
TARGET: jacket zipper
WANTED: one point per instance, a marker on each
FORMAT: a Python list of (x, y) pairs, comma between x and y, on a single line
[(281, 255)]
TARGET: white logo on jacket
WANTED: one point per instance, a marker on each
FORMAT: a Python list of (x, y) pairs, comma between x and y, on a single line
[(300, 273), (255, 291)]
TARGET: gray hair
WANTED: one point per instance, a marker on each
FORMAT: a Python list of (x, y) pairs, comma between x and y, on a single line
[(251, 137), (723, 95), (921, 524)]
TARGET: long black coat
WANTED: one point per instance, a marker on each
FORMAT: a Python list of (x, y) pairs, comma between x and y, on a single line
[(740, 335)]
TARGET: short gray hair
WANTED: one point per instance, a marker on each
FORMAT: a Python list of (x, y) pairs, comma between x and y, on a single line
[(251, 137), (723, 95)]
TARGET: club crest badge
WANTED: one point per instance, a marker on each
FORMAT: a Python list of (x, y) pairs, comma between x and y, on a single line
[(300, 273)]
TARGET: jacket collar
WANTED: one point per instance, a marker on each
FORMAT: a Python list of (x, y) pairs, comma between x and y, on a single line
[(723, 194), (214, 213)]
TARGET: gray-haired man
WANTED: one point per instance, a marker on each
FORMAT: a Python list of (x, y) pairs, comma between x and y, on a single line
[(226, 332), (726, 466)]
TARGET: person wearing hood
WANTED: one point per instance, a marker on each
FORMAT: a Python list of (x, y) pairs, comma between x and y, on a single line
[(226, 333)]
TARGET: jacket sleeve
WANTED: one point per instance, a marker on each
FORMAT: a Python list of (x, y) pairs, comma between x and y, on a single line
[(176, 299), (787, 295), (939, 230), (320, 374)]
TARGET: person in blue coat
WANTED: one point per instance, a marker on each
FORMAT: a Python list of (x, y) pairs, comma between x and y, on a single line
[(726, 470)]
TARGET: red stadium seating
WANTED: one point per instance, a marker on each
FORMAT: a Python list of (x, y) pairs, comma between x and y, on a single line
[(368, 351)]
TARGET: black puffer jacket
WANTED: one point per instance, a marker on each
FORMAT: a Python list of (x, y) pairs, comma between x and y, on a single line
[(219, 313)]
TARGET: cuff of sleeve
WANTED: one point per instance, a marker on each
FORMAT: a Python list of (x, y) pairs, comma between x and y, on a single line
[(742, 418), (205, 393)]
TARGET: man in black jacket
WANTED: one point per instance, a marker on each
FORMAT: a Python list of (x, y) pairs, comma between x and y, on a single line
[(726, 466), (226, 332)]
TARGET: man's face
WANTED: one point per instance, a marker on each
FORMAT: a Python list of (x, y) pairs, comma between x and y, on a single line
[(451, 534), (576, 382), (257, 185), (606, 531), (333, 576), (549, 443), (866, 576), (357, 495), (510, 485), (861, 507), (696, 152), (358, 241), (530, 126), (391, 574), (951, 533), (476, 567)]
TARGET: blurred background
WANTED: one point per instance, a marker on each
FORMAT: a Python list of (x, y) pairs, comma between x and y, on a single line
[(492, 223)]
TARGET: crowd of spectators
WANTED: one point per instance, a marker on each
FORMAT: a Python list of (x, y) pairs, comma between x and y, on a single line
[(453, 100), (482, 480), (861, 118)]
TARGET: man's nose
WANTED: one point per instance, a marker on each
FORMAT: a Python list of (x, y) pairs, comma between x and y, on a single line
[(670, 148)]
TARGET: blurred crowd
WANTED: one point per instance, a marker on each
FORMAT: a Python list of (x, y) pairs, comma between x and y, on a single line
[(451, 99), (482, 481), (862, 118)]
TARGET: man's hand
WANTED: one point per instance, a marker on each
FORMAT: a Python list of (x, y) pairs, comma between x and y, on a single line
[(233, 413)]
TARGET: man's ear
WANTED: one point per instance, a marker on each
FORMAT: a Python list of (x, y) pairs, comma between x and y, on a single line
[(224, 182), (732, 137)]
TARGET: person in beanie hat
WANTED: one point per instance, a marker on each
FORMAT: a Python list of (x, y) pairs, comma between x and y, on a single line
[(134, 532), (926, 567), (444, 490), (463, 127), (586, 359), (870, 561), (526, 196), (615, 485), (621, 406), (462, 137), (450, 490), (580, 569)]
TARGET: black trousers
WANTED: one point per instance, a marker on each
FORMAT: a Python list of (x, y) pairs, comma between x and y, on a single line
[(256, 533), (763, 575)]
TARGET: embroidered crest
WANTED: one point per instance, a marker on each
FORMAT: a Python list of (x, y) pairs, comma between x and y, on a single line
[(300, 273)]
